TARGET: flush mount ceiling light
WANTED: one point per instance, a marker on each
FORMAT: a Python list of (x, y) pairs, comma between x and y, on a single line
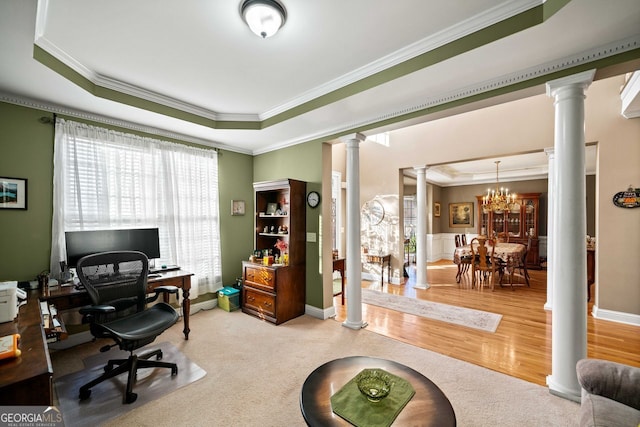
[(264, 17)]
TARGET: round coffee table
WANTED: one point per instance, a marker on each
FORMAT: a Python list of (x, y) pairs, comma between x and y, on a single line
[(428, 407)]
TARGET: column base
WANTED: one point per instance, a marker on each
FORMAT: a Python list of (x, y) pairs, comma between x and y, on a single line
[(421, 286), (354, 325), (548, 306), (560, 391)]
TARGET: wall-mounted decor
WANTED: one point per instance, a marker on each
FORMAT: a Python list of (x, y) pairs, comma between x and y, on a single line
[(436, 209), (627, 199), (461, 215), (237, 207), (13, 193)]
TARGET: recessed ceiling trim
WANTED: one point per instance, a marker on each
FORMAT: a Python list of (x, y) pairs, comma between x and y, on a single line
[(141, 98), (464, 28), (512, 82)]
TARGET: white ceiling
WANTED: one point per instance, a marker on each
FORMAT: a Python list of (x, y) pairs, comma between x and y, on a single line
[(336, 67)]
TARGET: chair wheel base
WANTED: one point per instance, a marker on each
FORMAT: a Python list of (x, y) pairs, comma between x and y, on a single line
[(174, 371), (130, 397)]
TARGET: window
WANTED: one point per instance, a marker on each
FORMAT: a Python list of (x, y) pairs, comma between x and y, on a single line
[(410, 223), (104, 179)]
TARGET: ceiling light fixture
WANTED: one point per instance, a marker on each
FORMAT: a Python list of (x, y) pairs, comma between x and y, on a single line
[(264, 17), (499, 200)]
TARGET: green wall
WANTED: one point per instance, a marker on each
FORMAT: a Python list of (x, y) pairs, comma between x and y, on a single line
[(302, 162), (26, 151)]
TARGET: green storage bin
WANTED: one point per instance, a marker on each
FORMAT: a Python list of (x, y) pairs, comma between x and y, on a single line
[(229, 298)]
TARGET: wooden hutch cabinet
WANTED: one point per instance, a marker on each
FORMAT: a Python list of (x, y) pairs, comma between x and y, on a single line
[(276, 292), (519, 223)]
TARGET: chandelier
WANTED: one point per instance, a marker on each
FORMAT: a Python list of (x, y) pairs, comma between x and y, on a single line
[(499, 199)]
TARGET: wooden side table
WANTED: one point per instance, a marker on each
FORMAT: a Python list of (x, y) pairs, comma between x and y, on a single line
[(382, 260)]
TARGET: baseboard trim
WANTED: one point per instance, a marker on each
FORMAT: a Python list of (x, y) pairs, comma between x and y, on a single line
[(615, 316), (319, 313)]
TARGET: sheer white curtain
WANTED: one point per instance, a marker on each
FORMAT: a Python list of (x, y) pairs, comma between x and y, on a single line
[(105, 179)]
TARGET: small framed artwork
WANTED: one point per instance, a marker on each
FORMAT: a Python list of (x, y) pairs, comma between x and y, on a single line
[(436, 209), (237, 207), (271, 208), (13, 193), (461, 215)]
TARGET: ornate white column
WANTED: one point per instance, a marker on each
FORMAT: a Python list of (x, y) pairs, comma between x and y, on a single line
[(551, 232), (421, 228), (353, 260), (569, 316)]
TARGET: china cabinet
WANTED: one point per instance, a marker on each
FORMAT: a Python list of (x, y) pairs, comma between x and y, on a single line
[(274, 281), (519, 223)]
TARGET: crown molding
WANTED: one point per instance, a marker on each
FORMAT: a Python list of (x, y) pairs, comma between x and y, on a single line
[(70, 112)]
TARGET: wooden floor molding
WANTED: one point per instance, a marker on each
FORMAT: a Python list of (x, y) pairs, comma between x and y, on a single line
[(520, 347)]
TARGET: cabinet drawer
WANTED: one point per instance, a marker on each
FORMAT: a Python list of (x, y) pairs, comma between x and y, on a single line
[(259, 301), (261, 277)]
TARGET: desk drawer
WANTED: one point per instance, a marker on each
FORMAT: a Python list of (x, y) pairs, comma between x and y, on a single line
[(259, 301), (169, 281), (260, 277)]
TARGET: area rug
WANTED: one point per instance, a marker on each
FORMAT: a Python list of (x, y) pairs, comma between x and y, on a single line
[(106, 398), (468, 317)]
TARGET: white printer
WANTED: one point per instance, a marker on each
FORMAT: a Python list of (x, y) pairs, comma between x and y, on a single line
[(9, 294)]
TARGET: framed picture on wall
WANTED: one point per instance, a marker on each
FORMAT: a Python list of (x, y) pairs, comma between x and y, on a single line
[(461, 215), (436, 209), (237, 207), (13, 193)]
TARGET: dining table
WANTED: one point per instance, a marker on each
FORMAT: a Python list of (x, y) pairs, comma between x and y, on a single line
[(510, 253)]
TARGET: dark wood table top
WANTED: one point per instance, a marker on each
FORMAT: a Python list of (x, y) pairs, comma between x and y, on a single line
[(428, 407)]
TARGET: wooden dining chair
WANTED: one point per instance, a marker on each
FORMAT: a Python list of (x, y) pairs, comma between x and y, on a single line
[(484, 265), (465, 260), (502, 237), (522, 265)]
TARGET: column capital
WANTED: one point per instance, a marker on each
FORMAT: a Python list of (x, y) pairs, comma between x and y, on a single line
[(353, 137), (420, 168), (583, 80)]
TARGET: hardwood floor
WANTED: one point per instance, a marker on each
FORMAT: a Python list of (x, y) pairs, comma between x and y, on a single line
[(520, 347)]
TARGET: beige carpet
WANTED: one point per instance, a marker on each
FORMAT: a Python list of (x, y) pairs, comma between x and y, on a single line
[(255, 371)]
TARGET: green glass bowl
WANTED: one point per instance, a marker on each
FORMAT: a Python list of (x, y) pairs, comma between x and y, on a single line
[(375, 384)]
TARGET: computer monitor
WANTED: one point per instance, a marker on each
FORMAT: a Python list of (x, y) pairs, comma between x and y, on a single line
[(82, 243)]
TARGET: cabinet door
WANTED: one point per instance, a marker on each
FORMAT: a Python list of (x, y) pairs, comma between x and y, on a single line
[(499, 222), (512, 223), (530, 215)]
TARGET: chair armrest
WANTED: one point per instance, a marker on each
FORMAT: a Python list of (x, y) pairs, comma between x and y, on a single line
[(162, 290), (611, 380), (97, 309)]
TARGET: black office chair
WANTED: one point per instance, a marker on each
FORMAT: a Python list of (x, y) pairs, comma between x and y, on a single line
[(117, 285)]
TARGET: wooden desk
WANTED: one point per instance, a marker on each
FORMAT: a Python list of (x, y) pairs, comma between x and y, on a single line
[(428, 407), (68, 297), (382, 260), (27, 380), (338, 265)]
